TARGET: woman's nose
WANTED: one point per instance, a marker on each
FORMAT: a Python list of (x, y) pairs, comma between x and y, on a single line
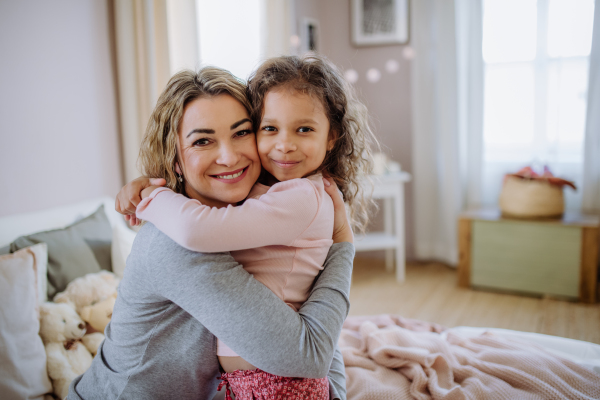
[(228, 155)]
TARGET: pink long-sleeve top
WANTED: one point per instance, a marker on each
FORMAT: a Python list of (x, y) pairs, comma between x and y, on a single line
[(280, 234)]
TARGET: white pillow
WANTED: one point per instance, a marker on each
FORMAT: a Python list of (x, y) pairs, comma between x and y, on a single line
[(40, 253), (23, 373), (122, 240)]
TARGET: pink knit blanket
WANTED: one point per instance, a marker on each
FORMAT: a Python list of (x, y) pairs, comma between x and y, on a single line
[(389, 357)]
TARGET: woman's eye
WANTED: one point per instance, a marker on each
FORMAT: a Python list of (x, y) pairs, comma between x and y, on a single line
[(201, 142), (243, 133)]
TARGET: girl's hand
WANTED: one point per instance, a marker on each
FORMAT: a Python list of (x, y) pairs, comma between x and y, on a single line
[(129, 197), (148, 191), (342, 232)]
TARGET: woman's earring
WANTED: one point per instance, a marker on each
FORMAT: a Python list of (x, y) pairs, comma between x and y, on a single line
[(180, 178)]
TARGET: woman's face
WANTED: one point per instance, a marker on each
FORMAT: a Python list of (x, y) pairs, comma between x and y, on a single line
[(217, 151)]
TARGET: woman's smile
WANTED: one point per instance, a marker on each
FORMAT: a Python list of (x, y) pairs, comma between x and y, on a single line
[(233, 176)]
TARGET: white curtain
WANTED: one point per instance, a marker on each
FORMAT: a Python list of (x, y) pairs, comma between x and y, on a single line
[(591, 170), (153, 39), (447, 92), (277, 27), (184, 48)]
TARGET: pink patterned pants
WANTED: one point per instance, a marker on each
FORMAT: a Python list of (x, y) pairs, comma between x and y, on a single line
[(260, 385)]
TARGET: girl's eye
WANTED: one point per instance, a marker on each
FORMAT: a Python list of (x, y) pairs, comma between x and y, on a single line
[(304, 129), (201, 142), (269, 128)]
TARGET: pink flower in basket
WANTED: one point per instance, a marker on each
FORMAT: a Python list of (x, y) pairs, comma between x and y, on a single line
[(547, 176), (528, 194)]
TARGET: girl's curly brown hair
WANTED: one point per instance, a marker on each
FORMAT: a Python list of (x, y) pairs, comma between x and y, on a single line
[(350, 160)]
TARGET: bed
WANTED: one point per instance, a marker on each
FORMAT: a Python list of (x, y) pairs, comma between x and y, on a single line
[(583, 354)]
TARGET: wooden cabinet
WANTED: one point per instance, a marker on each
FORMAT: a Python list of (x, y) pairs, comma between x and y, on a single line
[(554, 257)]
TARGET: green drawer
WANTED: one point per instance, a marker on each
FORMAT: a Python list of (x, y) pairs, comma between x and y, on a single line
[(533, 257)]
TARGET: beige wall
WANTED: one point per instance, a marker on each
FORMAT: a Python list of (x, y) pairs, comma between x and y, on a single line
[(58, 122), (388, 100)]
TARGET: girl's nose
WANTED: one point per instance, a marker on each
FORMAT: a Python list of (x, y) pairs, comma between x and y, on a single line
[(285, 144)]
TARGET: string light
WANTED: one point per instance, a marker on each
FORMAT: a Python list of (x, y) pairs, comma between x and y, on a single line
[(295, 40), (351, 75), (408, 53), (373, 75), (392, 66)]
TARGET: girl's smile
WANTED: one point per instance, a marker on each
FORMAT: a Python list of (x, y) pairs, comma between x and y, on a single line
[(293, 137), (286, 164)]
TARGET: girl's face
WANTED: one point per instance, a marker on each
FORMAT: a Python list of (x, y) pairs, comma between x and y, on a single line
[(217, 151), (293, 136)]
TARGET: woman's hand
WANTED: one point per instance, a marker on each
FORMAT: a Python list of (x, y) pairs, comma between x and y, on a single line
[(342, 232), (130, 196)]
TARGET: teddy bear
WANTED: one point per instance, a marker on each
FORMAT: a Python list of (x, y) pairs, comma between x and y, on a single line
[(98, 314), (93, 297), (61, 329)]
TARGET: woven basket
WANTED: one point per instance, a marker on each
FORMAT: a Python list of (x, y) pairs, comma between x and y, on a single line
[(531, 198)]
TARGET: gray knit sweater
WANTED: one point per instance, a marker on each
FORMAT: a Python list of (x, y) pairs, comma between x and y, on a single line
[(160, 343)]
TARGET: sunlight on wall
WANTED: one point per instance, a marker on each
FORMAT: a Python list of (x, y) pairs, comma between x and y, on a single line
[(230, 40)]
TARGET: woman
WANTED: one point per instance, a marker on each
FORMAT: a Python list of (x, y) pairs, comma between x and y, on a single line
[(160, 342)]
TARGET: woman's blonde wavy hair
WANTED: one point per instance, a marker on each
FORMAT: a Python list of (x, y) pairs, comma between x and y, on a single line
[(350, 159), (158, 152)]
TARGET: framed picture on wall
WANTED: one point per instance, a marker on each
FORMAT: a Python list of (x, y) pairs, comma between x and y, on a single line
[(377, 22), (309, 35)]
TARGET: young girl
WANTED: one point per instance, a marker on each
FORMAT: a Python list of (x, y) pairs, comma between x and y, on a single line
[(308, 123)]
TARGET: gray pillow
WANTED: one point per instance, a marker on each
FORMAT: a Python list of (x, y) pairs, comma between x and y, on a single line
[(5, 250), (77, 250)]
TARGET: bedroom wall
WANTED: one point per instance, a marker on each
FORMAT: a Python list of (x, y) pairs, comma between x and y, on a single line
[(58, 116), (388, 100)]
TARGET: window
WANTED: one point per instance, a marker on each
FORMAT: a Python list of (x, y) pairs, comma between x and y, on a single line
[(536, 57), (230, 40)]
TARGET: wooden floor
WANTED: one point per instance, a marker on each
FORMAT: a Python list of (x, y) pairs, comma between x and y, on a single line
[(430, 293)]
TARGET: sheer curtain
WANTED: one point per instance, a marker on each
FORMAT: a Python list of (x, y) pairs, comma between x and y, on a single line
[(536, 79), (153, 39), (447, 119), (278, 27), (466, 137), (591, 169)]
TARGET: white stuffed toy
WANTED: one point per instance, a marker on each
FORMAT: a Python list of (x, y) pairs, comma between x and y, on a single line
[(98, 314), (93, 297), (89, 289), (61, 329)]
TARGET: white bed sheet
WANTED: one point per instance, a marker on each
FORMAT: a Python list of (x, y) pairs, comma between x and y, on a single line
[(583, 353)]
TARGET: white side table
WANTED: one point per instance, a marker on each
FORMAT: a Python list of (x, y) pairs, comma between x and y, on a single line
[(390, 188)]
